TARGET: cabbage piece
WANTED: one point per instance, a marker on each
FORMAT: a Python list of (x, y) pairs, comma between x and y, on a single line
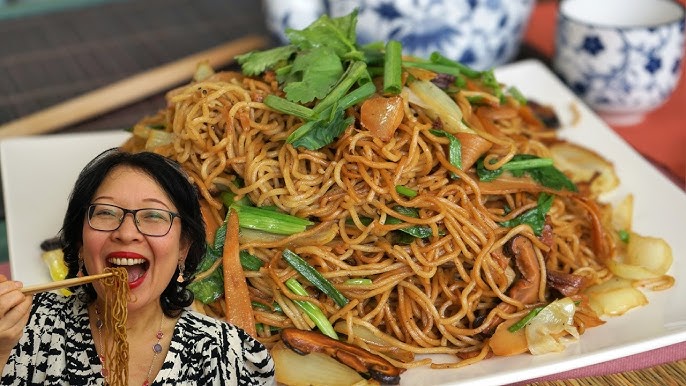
[(438, 105), (645, 258), (552, 329), (614, 297), (312, 369)]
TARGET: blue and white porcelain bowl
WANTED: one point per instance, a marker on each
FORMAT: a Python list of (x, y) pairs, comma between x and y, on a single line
[(479, 33), (622, 57)]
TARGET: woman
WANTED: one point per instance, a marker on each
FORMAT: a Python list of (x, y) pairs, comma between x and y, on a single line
[(140, 212)]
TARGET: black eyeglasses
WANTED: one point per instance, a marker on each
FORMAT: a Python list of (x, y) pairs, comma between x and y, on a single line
[(149, 221)]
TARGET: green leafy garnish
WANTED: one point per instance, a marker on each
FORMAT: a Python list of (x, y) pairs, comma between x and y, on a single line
[(322, 67), (454, 149), (256, 62), (540, 169), (312, 75), (534, 217)]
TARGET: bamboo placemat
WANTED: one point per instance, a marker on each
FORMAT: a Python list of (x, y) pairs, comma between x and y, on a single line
[(668, 374)]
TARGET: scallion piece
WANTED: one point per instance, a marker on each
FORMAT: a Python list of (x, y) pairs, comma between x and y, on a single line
[(624, 236), (250, 262), (528, 164), (392, 77), (437, 58), (310, 274), (437, 68), (352, 75), (316, 314), (287, 107), (525, 320), (517, 95), (405, 191), (269, 221), (454, 149), (357, 95)]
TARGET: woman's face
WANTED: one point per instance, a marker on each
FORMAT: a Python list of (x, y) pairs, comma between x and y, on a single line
[(150, 261)]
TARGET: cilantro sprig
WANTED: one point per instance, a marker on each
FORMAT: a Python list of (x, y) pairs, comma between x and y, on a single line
[(322, 72)]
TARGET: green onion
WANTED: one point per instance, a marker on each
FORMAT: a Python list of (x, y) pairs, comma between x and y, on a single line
[(528, 164), (392, 80), (437, 58), (624, 236), (250, 262), (489, 80), (357, 95), (313, 276), (437, 68), (269, 221), (418, 231), (275, 306), (229, 198), (287, 107), (358, 281), (405, 191), (454, 149), (525, 320), (352, 74), (314, 312), (260, 306), (517, 95), (475, 100)]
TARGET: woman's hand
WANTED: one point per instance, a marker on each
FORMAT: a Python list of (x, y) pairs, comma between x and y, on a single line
[(14, 314)]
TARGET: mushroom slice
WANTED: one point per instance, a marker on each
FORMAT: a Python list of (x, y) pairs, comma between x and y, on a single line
[(305, 342)]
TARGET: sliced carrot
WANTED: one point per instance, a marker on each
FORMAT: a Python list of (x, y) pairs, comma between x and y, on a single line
[(238, 307), (211, 224)]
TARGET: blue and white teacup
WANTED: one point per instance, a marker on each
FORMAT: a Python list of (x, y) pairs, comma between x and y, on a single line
[(479, 33), (622, 57)]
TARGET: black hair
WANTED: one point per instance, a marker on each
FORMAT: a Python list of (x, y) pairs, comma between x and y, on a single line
[(175, 183)]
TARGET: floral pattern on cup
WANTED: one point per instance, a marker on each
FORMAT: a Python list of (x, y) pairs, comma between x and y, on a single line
[(479, 33), (621, 71)]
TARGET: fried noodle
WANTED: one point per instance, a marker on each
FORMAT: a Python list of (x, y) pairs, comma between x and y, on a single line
[(438, 294)]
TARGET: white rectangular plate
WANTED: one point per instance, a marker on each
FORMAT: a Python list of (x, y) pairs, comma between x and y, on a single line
[(38, 172)]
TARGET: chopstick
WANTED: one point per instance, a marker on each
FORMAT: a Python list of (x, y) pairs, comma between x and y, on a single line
[(64, 283), (127, 90)]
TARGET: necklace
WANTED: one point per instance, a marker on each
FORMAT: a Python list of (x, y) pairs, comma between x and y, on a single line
[(156, 348)]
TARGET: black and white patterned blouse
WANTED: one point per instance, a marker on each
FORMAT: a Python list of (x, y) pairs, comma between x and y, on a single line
[(57, 349)]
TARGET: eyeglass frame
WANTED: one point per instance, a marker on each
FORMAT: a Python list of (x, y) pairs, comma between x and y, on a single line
[(91, 208)]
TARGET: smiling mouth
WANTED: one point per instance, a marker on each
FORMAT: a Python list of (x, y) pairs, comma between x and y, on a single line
[(136, 268)]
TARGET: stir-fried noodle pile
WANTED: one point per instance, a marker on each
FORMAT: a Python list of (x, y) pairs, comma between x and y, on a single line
[(443, 293)]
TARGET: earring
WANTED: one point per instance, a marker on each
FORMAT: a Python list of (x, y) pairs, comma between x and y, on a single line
[(80, 260), (182, 267)]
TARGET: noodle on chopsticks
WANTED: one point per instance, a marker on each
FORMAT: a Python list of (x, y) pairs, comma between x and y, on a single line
[(116, 349), (444, 292)]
